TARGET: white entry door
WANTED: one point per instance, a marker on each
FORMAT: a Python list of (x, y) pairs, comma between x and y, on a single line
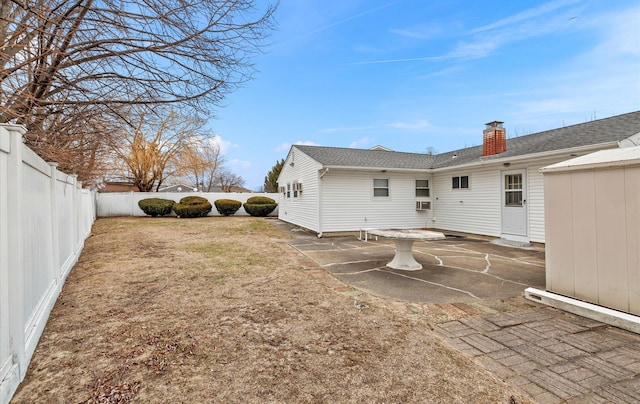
[(514, 205)]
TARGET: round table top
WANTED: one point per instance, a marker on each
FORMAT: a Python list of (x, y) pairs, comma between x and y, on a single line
[(410, 234)]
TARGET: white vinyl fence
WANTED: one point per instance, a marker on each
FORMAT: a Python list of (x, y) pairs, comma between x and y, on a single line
[(45, 216), (126, 203)]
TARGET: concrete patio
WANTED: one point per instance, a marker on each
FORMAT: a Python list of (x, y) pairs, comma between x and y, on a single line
[(458, 269)]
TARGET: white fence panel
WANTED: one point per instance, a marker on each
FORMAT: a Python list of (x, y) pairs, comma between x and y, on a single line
[(39, 282), (64, 186), (45, 216), (126, 203)]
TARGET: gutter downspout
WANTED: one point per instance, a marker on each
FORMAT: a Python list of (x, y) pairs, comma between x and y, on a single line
[(322, 172)]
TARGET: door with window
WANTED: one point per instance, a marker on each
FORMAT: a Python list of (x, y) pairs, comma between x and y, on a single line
[(514, 204)]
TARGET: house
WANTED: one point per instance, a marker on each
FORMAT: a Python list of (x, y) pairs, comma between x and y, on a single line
[(178, 188), (123, 185), (495, 189)]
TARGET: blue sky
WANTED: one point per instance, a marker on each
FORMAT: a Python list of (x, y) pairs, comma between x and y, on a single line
[(413, 74)]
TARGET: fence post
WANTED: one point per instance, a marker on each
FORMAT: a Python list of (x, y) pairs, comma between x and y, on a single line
[(8, 368), (55, 236), (17, 318), (77, 196)]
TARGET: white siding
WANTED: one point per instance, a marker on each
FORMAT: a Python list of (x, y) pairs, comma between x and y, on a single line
[(348, 204), (302, 211), (474, 210), (342, 200), (535, 198), (477, 210), (535, 202)]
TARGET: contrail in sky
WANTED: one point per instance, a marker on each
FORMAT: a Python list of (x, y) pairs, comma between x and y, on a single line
[(353, 17)]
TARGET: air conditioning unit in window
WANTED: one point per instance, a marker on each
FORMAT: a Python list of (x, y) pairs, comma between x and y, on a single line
[(423, 205)]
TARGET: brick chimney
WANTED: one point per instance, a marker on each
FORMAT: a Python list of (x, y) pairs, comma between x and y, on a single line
[(494, 139)]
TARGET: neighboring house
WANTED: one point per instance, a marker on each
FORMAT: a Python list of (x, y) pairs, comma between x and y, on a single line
[(178, 188), (495, 189), (118, 186)]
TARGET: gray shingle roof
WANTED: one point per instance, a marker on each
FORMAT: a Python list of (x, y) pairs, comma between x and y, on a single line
[(613, 129), (344, 157)]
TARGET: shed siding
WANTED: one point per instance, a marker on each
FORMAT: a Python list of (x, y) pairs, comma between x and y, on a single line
[(348, 203), (303, 210), (474, 210), (593, 230)]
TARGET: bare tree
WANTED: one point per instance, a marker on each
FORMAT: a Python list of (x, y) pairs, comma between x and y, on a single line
[(200, 161), (228, 180), (79, 141), (62, 58), (149, 151)]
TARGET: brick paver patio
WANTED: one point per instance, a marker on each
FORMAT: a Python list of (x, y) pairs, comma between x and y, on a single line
[(551, 355)]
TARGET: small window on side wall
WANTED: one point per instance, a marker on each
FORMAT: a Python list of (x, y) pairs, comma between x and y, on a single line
[(380, 187), (461, 182), (288, 190), (422, 188)]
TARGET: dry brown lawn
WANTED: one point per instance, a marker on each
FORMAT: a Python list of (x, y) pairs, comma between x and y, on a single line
[(220, 310)]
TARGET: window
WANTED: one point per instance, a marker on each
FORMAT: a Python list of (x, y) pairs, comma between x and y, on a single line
[(513, 190), (422, 188), (295, 189), (288, 190), (460, 182), (380, 187)]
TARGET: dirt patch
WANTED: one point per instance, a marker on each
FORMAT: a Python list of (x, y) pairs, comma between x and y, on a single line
[(221, 310)]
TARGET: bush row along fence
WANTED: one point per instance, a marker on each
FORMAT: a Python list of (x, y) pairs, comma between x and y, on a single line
[(126, 203), (45, 216)]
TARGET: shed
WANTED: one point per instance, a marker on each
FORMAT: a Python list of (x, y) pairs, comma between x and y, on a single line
[(592, 206)]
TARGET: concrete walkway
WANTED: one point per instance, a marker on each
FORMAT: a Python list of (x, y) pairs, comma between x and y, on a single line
[(472, 292)]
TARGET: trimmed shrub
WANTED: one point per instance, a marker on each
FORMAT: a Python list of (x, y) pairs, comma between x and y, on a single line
[(261, 200), (260, 206), (156, 206), (227, 207), (192, 206)]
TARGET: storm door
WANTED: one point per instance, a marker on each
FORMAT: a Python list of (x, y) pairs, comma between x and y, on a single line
[(514, 204)]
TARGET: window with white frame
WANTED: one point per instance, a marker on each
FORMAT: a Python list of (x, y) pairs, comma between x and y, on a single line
[(513, 190), (461, 182), (422, 188), (380, 187), (295, 189), (288, 190)]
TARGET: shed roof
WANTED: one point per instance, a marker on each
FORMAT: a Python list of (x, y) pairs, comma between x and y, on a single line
[(601, 131), (627, 156)]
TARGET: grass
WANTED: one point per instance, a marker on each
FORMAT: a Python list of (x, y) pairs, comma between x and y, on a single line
[(220, 310)]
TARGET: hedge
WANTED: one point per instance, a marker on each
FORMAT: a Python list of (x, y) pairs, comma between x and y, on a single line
[(260, 206), (156, 206), (192, 206), (227, 207)]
